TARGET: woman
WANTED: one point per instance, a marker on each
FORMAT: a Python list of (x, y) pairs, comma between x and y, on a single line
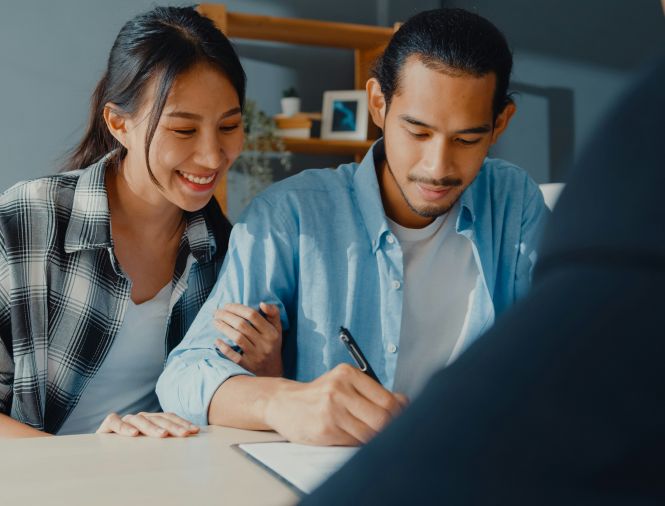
[(103, 267)]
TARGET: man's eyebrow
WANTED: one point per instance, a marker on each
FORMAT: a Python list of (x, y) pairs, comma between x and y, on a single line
[(481, 129), (191, 115), (416, 122)]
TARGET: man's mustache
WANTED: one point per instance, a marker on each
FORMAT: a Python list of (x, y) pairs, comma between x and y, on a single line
[(444, 181)]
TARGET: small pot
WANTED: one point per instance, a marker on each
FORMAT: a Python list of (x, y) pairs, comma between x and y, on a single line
[(290, 106)]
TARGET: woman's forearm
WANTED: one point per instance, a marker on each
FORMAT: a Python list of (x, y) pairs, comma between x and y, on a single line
[(10, 428)]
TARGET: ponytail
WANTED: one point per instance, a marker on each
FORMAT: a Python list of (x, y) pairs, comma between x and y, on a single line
[(97, 140)]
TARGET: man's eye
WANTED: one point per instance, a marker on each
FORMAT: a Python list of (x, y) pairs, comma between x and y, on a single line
[(418, 135), (229, 128), (467, 142)]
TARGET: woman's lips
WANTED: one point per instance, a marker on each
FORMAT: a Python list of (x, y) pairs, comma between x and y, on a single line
[(198, 182)]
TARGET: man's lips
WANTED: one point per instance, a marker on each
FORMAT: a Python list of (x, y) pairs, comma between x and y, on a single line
[(433, 192)]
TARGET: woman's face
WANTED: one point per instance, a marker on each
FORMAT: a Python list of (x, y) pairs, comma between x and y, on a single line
[(198, 137)]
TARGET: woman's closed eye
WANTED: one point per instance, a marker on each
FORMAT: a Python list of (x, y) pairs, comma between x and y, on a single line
[(185, 132), (229, 128)]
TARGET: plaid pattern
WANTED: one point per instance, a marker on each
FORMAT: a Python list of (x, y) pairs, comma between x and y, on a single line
[(63, 294)]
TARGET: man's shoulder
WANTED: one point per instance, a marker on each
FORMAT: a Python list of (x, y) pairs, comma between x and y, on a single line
[(316, 180), (311, 188), (504, 172), (502, 179)]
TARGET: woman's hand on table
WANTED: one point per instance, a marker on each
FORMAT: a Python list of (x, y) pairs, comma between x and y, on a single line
[(147, 424)]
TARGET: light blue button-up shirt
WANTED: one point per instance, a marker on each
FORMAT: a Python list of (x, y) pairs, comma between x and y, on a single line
[(316, 244)]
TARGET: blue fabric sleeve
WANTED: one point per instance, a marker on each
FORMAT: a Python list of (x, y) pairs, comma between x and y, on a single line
[(534, 216), (259, 267)]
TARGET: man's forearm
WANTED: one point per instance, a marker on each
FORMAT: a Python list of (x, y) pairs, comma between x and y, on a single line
[(242, 402), (10, 428)]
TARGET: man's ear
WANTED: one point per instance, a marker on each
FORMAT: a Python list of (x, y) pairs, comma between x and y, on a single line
[(502, 120), (376, 102), (115, 122)]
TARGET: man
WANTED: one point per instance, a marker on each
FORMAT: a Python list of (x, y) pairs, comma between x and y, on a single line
[(414, 251), (562, 401)]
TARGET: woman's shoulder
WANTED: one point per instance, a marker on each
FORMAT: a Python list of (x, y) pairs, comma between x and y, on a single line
[(41, 190), (37, 202)]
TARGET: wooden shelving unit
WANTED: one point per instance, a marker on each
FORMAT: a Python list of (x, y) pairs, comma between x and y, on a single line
[(366, 41), (316, 146)]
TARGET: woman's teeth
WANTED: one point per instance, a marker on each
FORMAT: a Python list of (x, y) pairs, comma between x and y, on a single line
[(196, 179)]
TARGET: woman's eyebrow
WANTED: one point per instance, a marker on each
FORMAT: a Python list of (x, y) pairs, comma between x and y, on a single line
[(191, 115)]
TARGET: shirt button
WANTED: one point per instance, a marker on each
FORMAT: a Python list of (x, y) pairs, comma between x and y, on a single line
[(392, 348), (390, 239), (396, 284)]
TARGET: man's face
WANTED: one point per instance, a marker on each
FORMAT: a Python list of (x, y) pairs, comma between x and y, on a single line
[(437, 132)]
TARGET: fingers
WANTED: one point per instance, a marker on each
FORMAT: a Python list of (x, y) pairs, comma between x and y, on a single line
[(375, 393), (175, 427), (114, 424), (145, 425), (249, 329), (251, 316), (372, 416), (181, 421), (271, 312), (402, 399), (229, 352), (246, 345), (150, 424), (356, 428)]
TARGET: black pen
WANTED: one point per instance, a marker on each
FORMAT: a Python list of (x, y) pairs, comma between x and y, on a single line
[(356, 354)]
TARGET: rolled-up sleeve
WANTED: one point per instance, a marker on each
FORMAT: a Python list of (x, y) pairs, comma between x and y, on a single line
[(259, 267)]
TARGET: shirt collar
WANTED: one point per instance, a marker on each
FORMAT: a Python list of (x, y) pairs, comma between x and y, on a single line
[(368, 194), (89, 224), (467, 214), (366, 187)]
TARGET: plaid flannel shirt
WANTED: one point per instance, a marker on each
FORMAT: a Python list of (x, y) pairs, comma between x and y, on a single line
[(63, 294)]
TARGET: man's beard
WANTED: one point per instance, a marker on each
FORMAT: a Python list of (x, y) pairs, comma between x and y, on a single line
[(427, 211)]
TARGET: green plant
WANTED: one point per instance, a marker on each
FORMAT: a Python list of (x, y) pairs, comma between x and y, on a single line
[(260, 148), (290, 92)]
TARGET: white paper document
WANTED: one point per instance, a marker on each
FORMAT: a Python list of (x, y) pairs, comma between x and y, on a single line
[(303, 466)]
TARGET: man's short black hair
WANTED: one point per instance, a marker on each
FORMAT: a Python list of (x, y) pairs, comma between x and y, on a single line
[(453, 41)]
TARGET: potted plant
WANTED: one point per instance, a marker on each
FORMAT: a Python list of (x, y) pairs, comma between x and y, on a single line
[(260, 148), (290, 102)]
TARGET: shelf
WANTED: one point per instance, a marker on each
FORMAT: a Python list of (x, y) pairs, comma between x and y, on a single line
[(327, 146), (366, 41), (296, 31)]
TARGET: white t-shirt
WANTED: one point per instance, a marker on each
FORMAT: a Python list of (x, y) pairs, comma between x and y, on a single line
[(440, 274), (125, 382)]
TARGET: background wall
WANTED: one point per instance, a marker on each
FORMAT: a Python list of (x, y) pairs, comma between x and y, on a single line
[(572, 58)]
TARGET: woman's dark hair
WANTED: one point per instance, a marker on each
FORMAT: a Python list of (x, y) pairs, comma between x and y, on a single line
[(453, 41), (160, 44)]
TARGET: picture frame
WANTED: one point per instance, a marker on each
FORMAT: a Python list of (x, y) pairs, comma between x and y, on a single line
[(344, 115)]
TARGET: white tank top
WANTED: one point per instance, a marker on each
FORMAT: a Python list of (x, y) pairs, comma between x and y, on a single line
[(125, 382)]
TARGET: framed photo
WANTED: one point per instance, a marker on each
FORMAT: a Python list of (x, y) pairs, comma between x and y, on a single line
[(344, 115)]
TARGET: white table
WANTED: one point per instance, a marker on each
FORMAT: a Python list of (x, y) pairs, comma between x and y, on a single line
[(110, 469)]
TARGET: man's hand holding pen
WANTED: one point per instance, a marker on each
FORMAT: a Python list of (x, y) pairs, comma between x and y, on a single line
[(342, 407)]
